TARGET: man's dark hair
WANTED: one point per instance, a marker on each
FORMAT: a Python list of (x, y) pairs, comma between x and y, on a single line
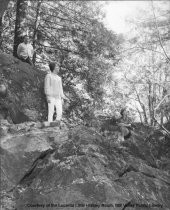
[(52, 66), (25, 36)]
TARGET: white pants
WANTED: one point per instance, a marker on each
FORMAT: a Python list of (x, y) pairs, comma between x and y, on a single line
[(57, 103)]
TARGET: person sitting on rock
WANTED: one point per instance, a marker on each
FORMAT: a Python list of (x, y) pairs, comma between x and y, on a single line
[(25, 51), (54, 92), (117, 125), (125, 128)]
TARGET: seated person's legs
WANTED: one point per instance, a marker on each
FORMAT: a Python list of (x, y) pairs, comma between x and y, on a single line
[(28, 60), (125, 132)]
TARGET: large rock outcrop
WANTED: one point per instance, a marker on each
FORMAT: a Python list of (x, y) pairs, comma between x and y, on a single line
[(77, 168), (25, 100), (52, 168)]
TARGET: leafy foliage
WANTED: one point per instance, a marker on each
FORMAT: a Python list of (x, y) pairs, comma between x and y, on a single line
[(141, 80), (72, 34)]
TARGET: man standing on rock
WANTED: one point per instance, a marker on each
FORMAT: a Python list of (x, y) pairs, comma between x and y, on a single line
[(25, 51), (54, 92)]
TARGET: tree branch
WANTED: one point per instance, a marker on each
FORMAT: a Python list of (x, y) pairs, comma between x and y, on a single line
[(159, 36)]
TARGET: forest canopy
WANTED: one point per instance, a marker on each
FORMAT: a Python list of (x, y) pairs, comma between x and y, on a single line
[(102, 71)]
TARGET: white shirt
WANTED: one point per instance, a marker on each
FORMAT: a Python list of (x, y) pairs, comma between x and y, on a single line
[(53, 86), (25, 50)]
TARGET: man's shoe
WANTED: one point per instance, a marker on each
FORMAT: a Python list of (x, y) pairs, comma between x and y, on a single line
[(55, 123)]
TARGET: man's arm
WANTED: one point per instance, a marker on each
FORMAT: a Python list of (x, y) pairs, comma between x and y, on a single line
[(19, 50), (61, 88), (47, 84), (32, 51)]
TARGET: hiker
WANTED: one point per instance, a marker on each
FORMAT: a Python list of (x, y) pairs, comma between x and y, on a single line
[(54, 92), (124, 127), (25, 51), (117, 125)]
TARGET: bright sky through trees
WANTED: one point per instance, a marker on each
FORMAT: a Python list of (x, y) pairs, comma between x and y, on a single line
[(118, 11)]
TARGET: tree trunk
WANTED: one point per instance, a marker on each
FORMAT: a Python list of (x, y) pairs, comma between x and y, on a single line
[(20, 25), (150, 102), (142, 106), (144, 114), (1, 28), (162, 116), (3, 7), (140, 115), (34, 38)]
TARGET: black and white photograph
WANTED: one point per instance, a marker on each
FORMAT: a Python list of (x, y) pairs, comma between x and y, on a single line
[(84, 105)]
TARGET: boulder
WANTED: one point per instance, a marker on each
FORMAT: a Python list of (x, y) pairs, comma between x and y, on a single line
[(25, 99), (52, 168), (48, 166)]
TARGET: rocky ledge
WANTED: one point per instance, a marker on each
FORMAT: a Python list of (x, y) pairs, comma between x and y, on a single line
[(61, 168)]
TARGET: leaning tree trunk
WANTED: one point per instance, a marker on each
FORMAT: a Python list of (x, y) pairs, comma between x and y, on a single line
[(20, 23), (36, 24), (3, 7)]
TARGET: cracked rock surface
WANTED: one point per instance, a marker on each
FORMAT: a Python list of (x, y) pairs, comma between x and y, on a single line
[(53, 168)]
